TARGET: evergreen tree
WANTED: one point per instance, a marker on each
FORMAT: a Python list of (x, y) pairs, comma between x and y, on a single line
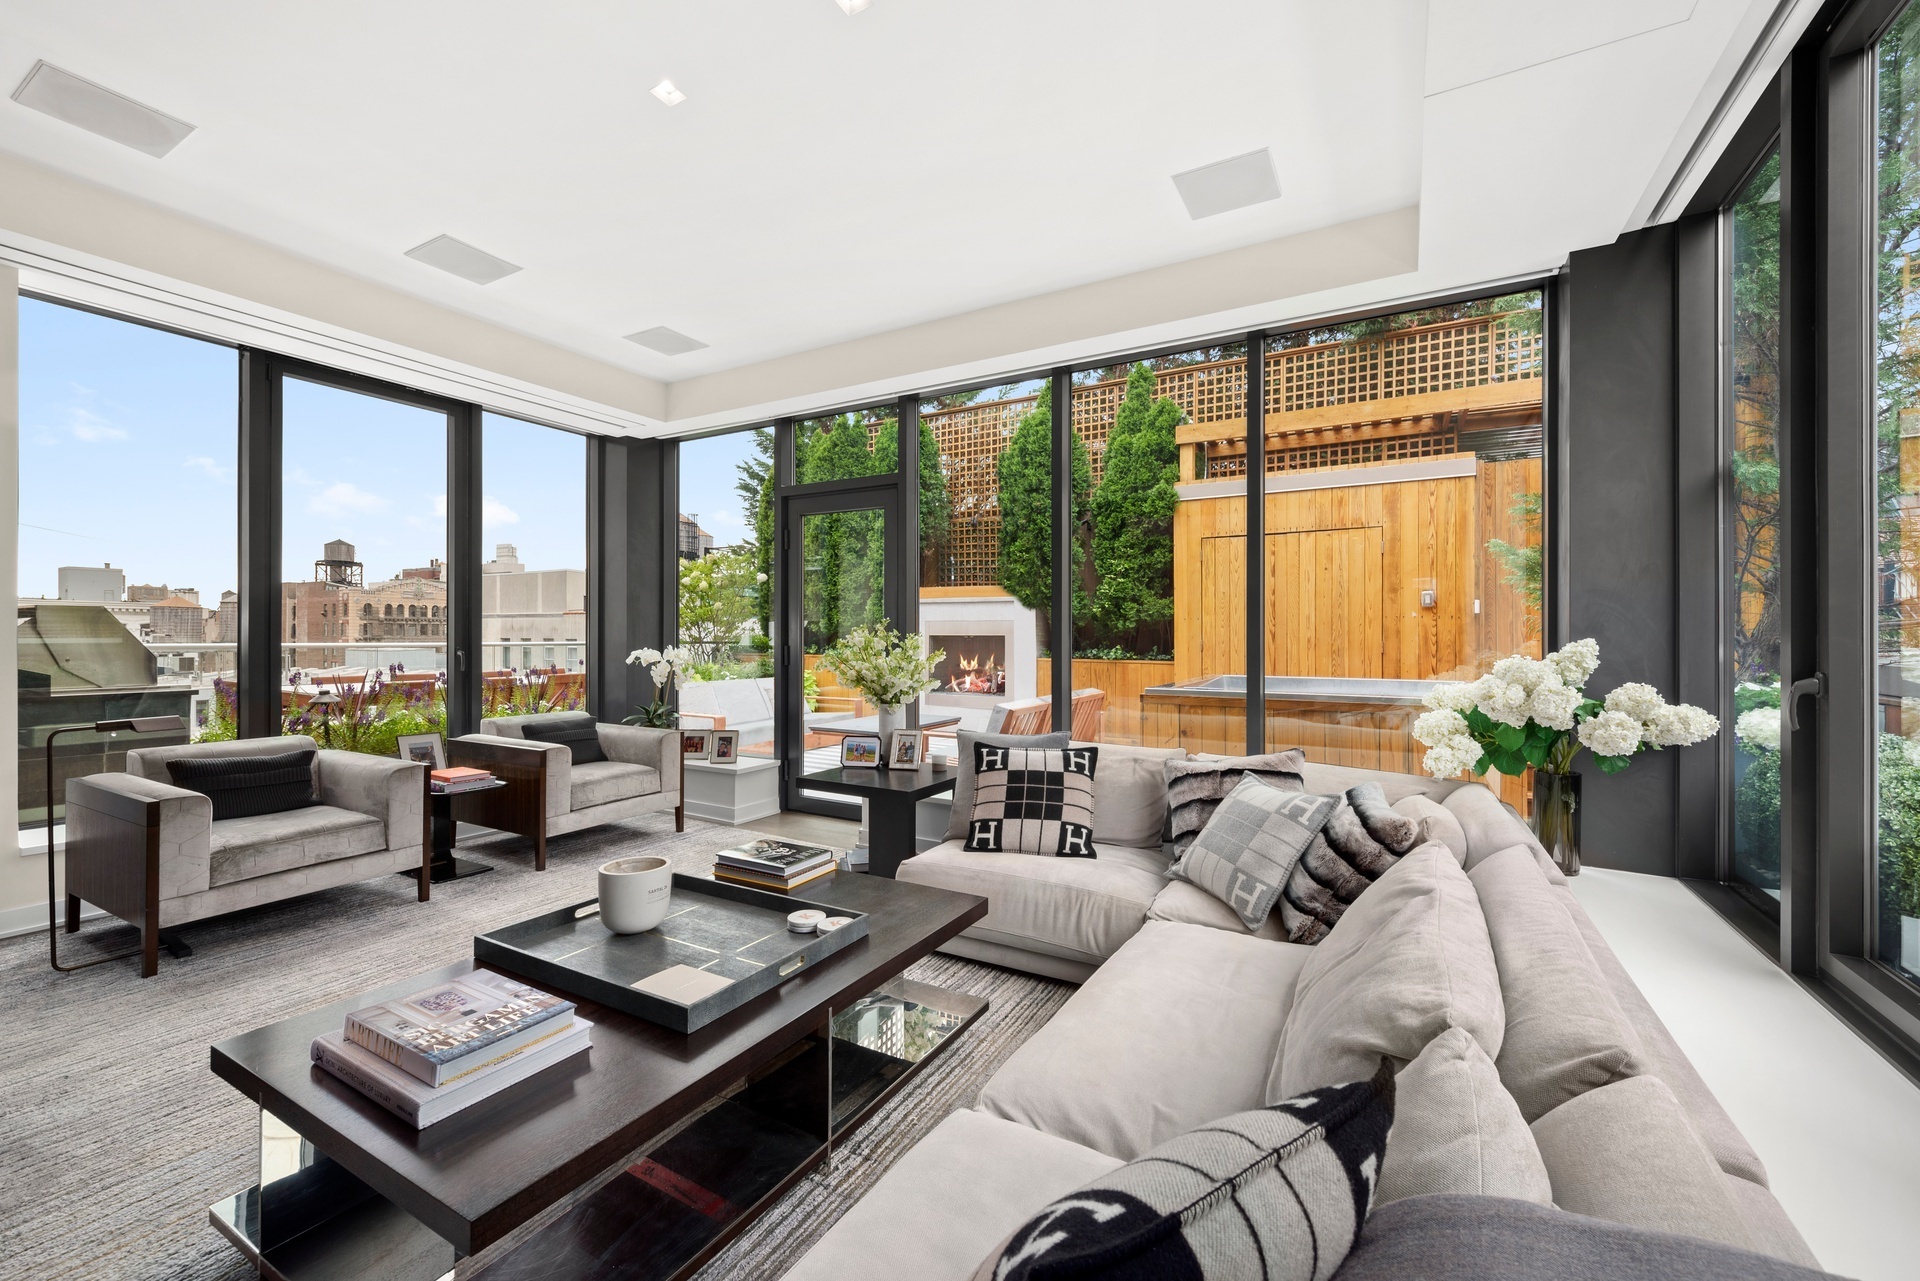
[(1026, 510), (936, 506), (1133, 516), (754, 485), (844, 552)]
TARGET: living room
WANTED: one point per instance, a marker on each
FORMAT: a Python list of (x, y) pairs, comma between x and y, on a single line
[(1242, 641)]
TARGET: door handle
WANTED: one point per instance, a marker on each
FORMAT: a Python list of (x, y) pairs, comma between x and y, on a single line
[(1815, 685)]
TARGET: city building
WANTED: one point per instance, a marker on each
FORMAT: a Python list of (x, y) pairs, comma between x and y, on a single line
[(1340, 584)]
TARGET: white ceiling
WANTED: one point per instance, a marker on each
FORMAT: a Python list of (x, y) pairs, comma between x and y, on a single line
[(833, 179)]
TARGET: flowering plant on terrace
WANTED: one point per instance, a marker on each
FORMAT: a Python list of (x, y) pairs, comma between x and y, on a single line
[(1535, 712)]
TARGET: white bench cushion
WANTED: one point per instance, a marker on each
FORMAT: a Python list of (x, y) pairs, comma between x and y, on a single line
[(243, 848), (602, 782)]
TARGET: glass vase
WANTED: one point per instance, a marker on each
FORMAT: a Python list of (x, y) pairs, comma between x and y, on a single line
[(1556, 818)]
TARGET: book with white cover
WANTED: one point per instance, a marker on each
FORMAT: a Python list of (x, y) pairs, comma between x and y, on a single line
[(776, 858), (429, 1033), (419, 1104)]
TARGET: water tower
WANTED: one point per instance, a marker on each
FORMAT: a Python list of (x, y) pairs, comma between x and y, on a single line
[(338, 568)]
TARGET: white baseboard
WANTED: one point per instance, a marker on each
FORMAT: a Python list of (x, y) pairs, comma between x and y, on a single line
[(31, 919)]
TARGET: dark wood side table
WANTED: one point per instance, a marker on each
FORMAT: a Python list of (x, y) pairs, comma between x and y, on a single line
[(443, 866), (891, 795)]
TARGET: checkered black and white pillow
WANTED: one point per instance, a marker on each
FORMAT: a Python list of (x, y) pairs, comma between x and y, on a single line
[(1032, 801)]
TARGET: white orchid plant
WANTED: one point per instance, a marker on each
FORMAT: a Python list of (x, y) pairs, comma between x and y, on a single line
[(665, 666), (890, 669), (1535, 712)]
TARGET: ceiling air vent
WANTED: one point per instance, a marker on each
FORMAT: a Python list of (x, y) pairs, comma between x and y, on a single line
[(1228, 184), (462, 259), (81, 102), (668, 342)]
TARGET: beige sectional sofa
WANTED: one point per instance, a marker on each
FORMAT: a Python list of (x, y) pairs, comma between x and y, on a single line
[(1184, 1017)]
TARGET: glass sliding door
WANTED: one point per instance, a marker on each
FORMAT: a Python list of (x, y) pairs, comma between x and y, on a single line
[(1753, 533), (1896, 496)]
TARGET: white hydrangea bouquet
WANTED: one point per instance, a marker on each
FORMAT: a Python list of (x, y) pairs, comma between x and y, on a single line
[(890, 669), (665, 666), (1535, 712)]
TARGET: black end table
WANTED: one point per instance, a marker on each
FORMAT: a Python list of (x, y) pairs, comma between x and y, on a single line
[(890, 795), (444, 866)]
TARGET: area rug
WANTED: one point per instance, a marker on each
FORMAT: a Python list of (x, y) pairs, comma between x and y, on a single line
[(116, 1136)]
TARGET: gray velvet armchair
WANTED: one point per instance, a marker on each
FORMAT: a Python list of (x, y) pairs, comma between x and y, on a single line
[(548, 795), (152, 854)]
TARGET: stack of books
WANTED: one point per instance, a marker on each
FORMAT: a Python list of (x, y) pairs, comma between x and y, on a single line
[(460, 778), (773, 865), (429, 1055)]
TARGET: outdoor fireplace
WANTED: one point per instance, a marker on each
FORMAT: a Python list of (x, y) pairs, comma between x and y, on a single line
[(973, 665)]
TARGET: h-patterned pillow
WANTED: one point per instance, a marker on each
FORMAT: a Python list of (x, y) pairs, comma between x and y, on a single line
[(1032, 801), (1247, 851), (1279, 1194)]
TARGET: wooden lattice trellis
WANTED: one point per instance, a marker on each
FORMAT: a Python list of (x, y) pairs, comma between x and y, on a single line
[(1407, 362)]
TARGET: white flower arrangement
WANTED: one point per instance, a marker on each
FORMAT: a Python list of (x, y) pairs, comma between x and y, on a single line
[(1535, 712), (1759, 727), (888, 668), (665, 666)]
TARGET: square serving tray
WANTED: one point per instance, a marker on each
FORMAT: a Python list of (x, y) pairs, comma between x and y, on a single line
[(729, 931)]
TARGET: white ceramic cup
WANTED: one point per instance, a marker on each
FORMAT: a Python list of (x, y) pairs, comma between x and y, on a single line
[(634, 893)]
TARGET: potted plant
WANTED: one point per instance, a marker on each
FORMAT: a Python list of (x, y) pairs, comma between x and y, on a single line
[(665, 667), (1534, 713), (888, 669)]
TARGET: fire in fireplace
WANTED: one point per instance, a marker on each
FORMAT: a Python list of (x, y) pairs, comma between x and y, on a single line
[(973, 665)]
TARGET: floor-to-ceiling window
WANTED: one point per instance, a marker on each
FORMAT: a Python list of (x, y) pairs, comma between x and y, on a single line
[(533, 583), (1896, 493), (1753, 536), (364, 581), (127, 554), (726, 570), (844, 552)]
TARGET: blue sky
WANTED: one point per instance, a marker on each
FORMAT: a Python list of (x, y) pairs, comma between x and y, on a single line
[(128, 443), (708, 470)]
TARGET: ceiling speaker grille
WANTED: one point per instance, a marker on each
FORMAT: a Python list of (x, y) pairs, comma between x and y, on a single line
[(1228, 184), (462, 259), (97, 109), (668, 342)]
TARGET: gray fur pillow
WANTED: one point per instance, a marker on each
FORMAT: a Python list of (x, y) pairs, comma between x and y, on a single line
[(1363, 837), (1196, 787)]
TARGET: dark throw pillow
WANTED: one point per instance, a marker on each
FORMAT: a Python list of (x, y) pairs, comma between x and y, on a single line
[(581, 737), (1196, 787), (963, 769), (1363, 837), (1247, 850), (247, 786), (1280, 1194), (1032, 802)]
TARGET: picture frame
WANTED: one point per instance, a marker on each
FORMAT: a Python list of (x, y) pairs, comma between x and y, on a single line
[(429, 750), (726, 746), (860, 751), (905, 750), (696, 744)]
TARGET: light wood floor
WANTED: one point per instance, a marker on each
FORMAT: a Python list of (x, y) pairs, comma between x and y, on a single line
[(817, 829)]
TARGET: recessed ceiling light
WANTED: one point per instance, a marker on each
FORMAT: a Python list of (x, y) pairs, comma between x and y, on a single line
[(80, 101), (853, 6), (1228, 184), (668, 342), (462, 259), (667, 93)]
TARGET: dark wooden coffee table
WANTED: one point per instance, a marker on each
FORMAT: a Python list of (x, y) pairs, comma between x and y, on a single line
[(726, 1119)]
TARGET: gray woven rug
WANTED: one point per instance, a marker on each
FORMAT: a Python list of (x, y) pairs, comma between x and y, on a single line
[(116, 1136)]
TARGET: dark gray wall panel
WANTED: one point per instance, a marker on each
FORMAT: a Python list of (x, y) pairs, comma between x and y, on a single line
[(1621, 521), (632, 566)]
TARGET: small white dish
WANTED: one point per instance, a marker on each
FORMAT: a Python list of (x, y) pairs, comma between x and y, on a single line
[(805, 921), (833, 923)]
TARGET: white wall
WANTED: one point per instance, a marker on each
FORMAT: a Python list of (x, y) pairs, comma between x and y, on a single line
[(23, 881)]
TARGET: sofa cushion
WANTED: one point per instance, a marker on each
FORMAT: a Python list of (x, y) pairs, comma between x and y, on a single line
[(1408, 960), (1625, 1152), (582, 737), (1442, 825), (1490, 827), (963, 764), (1331, 779), (1665, 1059), (1279, 1193), (1195, 786), (1033, 801), (1177, 1029), (1081, 909), (1248, 849), (242, 786), (243, 848), (1363, 837), (603, 782), (1456, 1129), (1480, 1238), (151, 762), (1565, 1033), (1773, 1232), (950, 1199), (1192, 905), (1130, 793), (511, 726)]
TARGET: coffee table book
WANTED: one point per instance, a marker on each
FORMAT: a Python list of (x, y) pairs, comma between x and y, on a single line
[(421, 1105), (720, 947), (775, 884), (775, 858), (431, 1033)]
